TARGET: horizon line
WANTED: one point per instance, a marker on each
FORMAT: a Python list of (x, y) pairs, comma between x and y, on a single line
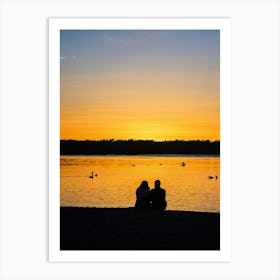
[(131, 139)]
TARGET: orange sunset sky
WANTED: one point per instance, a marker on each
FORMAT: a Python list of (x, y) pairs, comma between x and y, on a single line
[(140, 84)]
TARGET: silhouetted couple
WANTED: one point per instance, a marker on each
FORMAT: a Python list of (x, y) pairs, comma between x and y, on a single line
[(147, 199)]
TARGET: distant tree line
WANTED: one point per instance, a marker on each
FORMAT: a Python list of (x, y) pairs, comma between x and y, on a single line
[(138, 147)]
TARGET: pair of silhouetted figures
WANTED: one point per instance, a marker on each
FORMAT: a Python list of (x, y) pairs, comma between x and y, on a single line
[(147, 199)]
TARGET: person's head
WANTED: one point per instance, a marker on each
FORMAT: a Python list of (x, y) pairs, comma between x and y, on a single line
[(144, 185), (157, 184)]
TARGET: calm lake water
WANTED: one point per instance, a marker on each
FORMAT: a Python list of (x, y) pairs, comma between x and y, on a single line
[(187, 187)]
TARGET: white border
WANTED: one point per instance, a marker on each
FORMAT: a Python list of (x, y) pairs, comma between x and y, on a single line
[(222, 24)]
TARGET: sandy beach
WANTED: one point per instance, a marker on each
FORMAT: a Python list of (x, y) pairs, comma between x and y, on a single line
[(132, 229)]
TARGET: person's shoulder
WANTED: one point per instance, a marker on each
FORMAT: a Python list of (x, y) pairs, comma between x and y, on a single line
[(153, 191)]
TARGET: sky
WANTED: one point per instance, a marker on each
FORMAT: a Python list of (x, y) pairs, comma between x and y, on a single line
[(140, 84)]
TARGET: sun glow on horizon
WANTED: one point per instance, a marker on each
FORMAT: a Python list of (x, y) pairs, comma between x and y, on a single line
[(159, 85)]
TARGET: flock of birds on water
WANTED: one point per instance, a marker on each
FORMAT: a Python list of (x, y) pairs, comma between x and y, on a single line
[(92, 175)]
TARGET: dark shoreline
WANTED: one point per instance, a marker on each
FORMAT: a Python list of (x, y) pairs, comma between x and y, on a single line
[(132, 229), (144, 155), (138, 147)]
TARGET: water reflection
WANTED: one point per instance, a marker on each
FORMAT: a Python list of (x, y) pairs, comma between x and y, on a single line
[(187, 185)]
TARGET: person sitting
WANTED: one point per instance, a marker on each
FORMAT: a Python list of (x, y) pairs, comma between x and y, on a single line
[(158, 197), (143, 196)]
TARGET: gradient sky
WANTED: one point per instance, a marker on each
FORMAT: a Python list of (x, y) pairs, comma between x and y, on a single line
[(120, 84)]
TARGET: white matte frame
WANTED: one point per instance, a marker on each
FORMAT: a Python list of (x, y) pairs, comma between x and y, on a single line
[(221, 24)]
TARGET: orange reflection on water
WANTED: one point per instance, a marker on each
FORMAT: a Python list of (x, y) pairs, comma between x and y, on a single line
[(187, 187)]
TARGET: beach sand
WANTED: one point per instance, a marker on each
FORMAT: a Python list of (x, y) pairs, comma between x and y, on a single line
[(132, 229)]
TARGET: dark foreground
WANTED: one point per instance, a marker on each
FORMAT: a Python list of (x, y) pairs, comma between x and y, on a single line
[(131, 229)]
